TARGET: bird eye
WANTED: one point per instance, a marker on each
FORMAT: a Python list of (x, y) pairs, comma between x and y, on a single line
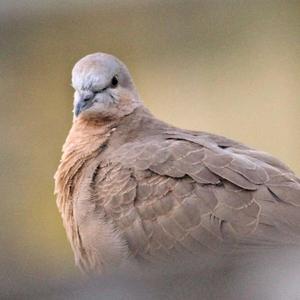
[(114, 82)]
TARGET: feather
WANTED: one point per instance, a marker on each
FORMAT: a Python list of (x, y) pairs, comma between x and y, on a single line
[(130, 185)]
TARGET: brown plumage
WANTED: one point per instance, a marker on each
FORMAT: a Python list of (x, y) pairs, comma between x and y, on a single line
[(133, 188)]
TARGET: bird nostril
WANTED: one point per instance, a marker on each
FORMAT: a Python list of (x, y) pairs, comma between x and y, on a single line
[(87, 98)]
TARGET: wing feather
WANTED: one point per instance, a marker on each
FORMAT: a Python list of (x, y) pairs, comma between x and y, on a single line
[(186, 192)]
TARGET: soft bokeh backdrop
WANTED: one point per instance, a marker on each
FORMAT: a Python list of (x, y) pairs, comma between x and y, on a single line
[(228, 67)]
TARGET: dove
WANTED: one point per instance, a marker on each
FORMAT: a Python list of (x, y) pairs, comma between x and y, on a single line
[(132, 189)]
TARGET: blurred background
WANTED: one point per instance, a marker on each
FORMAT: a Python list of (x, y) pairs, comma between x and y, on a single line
[(227, 67)]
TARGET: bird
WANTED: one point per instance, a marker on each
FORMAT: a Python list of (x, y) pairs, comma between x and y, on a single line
[(132, 189)]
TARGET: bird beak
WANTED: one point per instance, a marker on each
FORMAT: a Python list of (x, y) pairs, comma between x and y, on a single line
[(83, 103), (79, 108)]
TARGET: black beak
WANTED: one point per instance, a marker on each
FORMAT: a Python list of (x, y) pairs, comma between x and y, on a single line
[(83, 104)]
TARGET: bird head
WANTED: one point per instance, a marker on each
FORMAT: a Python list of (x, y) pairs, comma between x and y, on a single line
[(103, 88)]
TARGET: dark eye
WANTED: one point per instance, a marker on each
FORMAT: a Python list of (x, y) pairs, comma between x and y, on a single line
[(114, 82)]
